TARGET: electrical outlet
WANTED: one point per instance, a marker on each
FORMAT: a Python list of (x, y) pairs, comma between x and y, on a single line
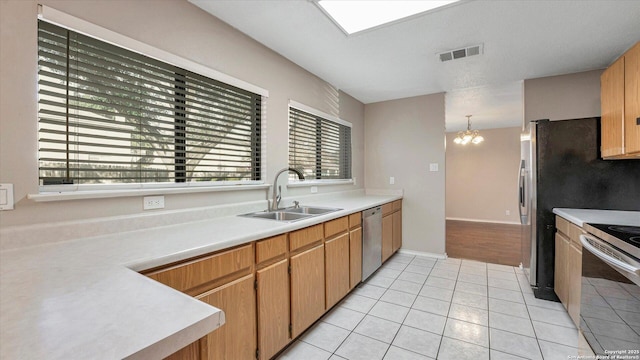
[(508, 212), (392, 180), (314, 189), (153, 202)]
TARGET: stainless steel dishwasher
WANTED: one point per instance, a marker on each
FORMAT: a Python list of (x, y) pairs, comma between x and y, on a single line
[(371, 241)]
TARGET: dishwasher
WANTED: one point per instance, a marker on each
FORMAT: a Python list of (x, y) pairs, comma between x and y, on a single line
[(371, 241)]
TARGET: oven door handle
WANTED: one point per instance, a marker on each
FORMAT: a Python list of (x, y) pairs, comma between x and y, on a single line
[(587, 240)]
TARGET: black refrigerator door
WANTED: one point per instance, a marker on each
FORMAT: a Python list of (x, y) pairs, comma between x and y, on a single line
[(571, 174)]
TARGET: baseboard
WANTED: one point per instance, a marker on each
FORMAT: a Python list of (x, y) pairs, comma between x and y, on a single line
[(422, 253), (485, 221)]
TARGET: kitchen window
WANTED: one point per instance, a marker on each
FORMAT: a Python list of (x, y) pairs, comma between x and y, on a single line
[(319, 145), (108, 115)]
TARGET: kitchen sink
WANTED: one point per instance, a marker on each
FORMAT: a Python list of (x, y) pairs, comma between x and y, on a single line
[(291, 214), (279, 215), (310, 210)]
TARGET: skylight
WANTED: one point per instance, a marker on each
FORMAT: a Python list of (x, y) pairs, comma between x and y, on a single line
[(357, 15)]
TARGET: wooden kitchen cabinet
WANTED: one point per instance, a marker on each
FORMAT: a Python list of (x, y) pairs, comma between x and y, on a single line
[(336, 269), (355, 249), (272, 285), (561, 264), (391, 228), (236, 339), (307, 289), (574, 281), (355, 256), (397, 228), (568, 267), (201, 274), (387, 237), (620, 107), (300, 238)]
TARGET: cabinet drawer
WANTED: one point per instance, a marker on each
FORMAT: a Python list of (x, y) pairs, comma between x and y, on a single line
[(574, 234), (197, 276), (355, 220), (300, 238), (397, 205), (271, 248), (336, 226), (562, 225), (387, 209)]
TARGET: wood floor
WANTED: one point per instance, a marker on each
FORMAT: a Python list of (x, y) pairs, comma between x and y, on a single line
[(488, 242)]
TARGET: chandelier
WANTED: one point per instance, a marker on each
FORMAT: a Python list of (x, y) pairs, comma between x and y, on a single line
[(469, 136)]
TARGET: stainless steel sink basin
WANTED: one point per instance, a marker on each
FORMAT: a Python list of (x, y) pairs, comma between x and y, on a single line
[(279, 215), (311, 210), (291, 214)]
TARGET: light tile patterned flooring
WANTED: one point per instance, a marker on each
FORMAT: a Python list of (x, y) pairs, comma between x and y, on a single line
[(424, 308)]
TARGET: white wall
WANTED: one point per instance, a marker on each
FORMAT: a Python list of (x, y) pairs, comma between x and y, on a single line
[(402, 137), (482, 181), (175, 26), (562, 97)]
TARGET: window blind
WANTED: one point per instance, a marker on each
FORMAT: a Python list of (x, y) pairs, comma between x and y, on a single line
[(110, 115), (319, 147)]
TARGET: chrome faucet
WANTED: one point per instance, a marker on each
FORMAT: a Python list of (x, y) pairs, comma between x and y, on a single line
[(277, 190)]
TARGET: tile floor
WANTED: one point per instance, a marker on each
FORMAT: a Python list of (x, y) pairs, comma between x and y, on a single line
[(424, 308)]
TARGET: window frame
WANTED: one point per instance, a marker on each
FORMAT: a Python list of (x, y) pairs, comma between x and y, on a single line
[(83, 27), (293, 180)]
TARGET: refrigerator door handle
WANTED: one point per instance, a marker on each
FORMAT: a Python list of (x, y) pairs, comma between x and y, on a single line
[(523, 207)]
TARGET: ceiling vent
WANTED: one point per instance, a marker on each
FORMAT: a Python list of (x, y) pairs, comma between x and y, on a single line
[(460, 53)]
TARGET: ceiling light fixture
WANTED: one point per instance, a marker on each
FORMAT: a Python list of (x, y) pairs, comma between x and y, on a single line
[(469, 136), (357, 15)]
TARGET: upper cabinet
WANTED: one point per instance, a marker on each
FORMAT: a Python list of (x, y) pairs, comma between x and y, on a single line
[(620, 97)]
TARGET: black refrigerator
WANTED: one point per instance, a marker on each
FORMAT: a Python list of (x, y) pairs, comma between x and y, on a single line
[(561, 167)]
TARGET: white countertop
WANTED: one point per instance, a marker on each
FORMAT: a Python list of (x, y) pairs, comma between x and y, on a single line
[(592, 216), (84, 298)]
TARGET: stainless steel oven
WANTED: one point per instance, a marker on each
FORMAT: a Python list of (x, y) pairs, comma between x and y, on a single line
[(610, 292)]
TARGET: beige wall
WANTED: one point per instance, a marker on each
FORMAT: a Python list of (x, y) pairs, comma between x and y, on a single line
[(562, 97), (482, 179), (193, 34), (402, 137)]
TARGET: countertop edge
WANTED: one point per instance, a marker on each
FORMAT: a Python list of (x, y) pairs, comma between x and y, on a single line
[(594, 216)]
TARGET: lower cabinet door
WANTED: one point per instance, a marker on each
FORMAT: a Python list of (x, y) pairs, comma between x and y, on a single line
[(355, 257), (236, 339), (560, 269), (307, 289), (273, 308), (397, 230), (574, 280), (337, 268), (387, 237)]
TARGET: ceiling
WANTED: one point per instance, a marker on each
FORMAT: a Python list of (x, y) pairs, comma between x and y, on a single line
[(521, 39)]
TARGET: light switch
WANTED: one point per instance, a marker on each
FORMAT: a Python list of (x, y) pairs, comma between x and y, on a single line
[(433, 167), (6, 196)]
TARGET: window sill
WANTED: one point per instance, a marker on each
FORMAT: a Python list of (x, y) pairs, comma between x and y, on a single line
[(308, 183), (100, 194)]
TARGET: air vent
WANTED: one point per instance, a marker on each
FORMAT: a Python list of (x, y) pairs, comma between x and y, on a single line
[(460, 53)]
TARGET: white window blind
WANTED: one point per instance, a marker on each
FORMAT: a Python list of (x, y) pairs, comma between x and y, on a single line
[(108, 115), (319, 147)]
